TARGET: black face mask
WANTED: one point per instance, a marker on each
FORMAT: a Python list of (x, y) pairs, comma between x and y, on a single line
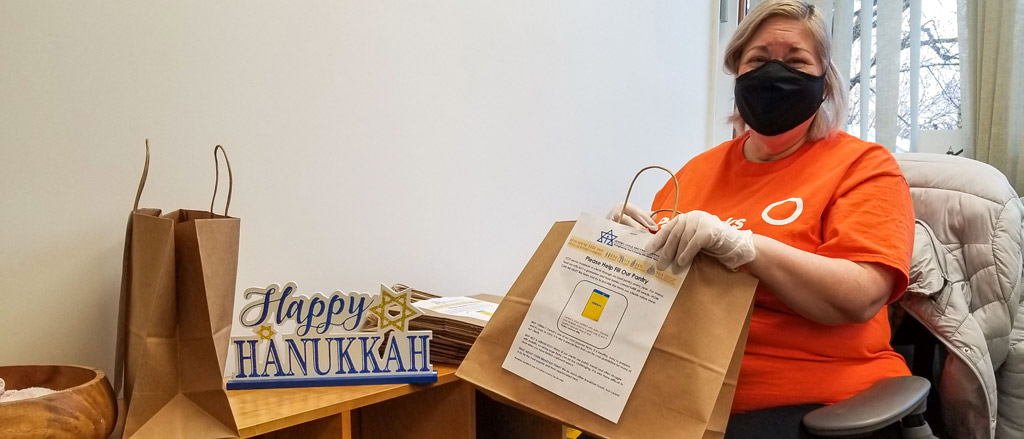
[(775, 98)]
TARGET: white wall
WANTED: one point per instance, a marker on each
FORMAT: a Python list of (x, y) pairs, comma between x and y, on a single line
[(426, 142)]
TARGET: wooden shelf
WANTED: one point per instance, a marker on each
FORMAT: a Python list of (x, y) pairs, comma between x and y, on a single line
[(447, 409), (267, 410)]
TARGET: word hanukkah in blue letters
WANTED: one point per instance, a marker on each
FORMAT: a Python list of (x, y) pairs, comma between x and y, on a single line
[(336, 340)]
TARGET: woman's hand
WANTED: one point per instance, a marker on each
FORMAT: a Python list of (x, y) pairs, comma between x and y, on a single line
[(678, 241), (634, 217)]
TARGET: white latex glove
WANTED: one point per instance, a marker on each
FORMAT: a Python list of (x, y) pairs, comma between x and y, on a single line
[(678, 241), (634, 217)]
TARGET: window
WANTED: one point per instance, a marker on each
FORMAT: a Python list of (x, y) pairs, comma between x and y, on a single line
[(921, 64), (906, 93)]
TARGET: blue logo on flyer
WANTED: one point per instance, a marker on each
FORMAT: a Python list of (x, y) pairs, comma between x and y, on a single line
[(607, 238)]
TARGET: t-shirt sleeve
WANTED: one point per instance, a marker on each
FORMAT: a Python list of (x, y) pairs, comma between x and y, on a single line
[(871, 217)]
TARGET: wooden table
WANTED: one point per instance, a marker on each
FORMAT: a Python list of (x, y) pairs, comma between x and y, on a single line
[(448, 409)]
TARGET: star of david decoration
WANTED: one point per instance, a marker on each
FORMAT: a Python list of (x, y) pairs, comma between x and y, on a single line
[(607, 237), (400, 303), (265, 332)]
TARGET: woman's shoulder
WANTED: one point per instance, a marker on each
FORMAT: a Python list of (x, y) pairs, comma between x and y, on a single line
[(711, 156), (843, 141), (698, 169), (845, 147)]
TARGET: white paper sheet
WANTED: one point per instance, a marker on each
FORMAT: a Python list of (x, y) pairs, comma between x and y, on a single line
[(460, 306), (593, 322)]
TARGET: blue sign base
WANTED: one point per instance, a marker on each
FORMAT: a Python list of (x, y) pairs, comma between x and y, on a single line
[(426, 377)]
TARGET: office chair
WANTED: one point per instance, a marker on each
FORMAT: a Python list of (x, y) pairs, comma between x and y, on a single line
[(902, 400), (965, 295)]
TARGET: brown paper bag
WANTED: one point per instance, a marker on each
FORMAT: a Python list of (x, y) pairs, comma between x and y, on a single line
[(686, 387), (177, 294)]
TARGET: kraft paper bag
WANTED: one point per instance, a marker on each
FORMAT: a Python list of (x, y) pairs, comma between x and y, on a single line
[(686, 387), (177, 294)]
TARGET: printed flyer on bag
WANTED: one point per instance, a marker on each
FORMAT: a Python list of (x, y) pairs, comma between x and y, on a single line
[(594, 320)]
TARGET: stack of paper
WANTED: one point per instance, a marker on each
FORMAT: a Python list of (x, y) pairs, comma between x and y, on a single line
[(455, 321)]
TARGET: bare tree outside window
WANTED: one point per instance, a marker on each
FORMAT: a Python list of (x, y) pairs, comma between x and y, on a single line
[(939, 104)]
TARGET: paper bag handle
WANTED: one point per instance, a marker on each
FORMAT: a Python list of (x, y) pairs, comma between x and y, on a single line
[(122, 305), (142, 182), (675, 207), (216, 178)]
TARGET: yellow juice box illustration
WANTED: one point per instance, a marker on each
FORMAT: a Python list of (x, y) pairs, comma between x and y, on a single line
[(595, 305)]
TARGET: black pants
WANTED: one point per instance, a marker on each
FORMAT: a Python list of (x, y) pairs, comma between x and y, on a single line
[(776, 423), (779, 423)]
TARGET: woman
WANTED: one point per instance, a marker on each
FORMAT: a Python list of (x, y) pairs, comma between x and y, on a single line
[(824, 220)]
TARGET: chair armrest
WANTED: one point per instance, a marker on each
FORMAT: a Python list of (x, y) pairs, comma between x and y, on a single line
[(878, 406)]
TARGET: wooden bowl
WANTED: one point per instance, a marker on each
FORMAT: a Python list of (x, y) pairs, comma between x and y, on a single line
[(84, 405)]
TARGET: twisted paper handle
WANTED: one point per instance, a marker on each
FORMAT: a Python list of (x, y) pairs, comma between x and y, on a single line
[(216, 181), (675, 207)]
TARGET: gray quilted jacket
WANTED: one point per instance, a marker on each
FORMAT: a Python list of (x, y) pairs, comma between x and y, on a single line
[(966, 289)]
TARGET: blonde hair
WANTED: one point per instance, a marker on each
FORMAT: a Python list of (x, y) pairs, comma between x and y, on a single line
[(832, 112)]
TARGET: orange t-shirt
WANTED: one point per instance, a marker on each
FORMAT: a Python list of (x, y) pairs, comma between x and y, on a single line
[(839, 197)]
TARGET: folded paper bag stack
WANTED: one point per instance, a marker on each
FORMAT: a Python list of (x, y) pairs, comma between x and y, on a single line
[(456, 322)]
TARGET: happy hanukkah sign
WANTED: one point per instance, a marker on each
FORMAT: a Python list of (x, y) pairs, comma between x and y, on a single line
[(331, 343)]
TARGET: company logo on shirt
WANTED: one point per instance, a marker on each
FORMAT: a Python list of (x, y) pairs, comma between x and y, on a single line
[(736, 223), (779, 213), (774, 213)]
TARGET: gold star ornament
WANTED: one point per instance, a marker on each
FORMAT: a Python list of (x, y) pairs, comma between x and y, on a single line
[(265, 332), (395, 309)]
